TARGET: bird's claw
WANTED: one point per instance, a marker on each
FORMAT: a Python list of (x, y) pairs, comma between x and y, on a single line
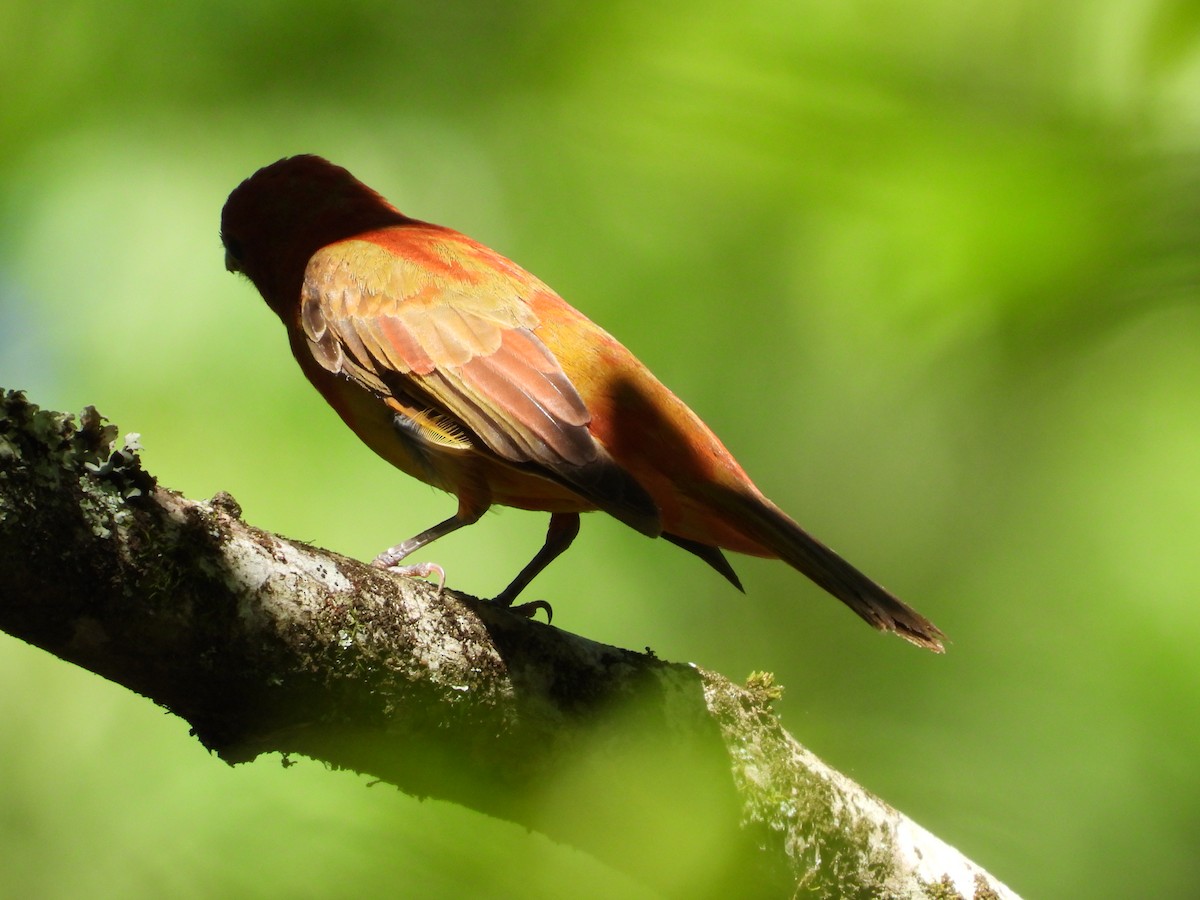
[(387, 559), (527, 610), (416, 570)]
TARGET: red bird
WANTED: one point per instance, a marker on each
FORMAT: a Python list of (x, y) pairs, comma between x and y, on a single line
[(462, 369)]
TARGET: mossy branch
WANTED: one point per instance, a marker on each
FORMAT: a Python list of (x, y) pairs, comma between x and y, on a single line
[(665, 771)]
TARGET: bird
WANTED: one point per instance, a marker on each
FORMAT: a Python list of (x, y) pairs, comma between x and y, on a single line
[(464, 370)]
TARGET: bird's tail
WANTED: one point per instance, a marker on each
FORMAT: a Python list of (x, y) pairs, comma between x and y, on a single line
[(772, 529)]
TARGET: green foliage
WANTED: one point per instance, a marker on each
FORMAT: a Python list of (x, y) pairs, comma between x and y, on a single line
[(930, 269)]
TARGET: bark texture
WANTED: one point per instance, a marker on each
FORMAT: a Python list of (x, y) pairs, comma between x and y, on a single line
[(665, 771)]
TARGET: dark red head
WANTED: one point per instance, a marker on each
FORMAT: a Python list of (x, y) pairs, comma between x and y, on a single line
[(276, 219)]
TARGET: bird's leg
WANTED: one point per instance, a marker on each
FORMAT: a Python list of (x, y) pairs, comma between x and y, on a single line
[(560, 534), (390, 559)]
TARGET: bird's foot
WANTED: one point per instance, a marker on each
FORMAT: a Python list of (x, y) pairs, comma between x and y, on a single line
[(390, 557), (526, 610), (413, 570)]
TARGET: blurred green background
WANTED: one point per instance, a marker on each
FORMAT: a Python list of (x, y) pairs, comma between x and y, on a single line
[(931, 270)]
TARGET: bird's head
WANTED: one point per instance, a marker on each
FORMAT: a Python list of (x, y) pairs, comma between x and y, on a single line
[(276, 219)]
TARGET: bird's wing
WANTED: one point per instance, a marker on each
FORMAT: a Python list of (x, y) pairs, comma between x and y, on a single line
[(456, 353)]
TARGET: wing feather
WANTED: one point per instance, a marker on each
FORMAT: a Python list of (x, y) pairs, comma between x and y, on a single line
[(543, 406), (393, 343), (463, 359)]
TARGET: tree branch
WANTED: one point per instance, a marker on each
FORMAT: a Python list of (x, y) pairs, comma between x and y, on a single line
[(665, 771)]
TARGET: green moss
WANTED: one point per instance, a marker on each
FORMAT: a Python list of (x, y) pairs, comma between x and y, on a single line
[(763, 689)]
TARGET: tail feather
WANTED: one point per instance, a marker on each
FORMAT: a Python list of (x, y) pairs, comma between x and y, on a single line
[(711, 555), (775, 531)]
